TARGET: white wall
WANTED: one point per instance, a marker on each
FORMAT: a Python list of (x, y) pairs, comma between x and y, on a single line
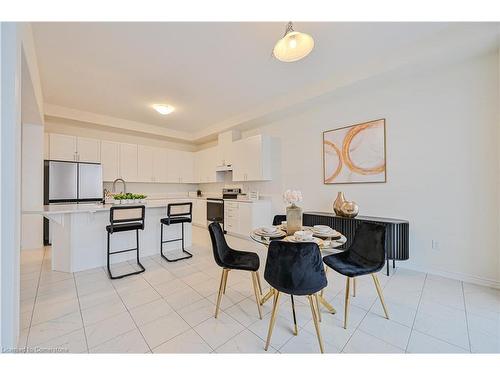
[(32, 185), (442, 162)]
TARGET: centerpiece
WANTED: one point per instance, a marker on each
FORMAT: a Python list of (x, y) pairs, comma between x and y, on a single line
[(293, 212)]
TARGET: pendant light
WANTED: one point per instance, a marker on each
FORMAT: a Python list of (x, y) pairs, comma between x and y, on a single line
[(293, 46)]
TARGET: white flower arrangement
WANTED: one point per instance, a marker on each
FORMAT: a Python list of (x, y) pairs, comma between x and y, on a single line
[(292, 196)]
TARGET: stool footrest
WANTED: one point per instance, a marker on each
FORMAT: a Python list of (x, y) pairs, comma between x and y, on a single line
[(175, 240), (189, 255), (122, 251), (128, 274)]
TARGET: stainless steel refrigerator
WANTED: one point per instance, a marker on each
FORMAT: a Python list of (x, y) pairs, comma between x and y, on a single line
[(70, 182)]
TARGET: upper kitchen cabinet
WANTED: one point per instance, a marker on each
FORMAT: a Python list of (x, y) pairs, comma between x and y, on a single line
[(128, 162), (180, 166), (88, 150), (110, 160), (71, 148), (206, 165), (160, 165), (145, 159), (252, 159), (62, 147)]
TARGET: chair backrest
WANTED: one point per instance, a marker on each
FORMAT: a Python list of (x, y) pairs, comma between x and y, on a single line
[(295, 268), (278, 219), (180, 209), (368, 245), (219, 244), (127, 214)]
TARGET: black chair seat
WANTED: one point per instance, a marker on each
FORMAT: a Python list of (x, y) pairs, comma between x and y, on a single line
[(350, 265), (124, 227), (241, 260), (175, 220)]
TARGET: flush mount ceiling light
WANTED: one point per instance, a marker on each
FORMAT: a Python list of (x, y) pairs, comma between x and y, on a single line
[(293, 46), (163, 109)]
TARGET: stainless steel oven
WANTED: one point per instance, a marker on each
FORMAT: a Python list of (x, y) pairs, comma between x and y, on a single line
[(215, 211)]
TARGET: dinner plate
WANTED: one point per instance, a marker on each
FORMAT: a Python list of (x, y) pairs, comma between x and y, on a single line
[(278, 233), (293, 239)]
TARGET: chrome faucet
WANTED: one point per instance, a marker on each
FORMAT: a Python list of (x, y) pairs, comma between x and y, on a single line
[(124, 185)]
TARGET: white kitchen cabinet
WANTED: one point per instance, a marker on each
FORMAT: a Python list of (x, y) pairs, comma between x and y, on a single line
[(62, 147), (88, 150), (200, 212), (252, 159), (110, 160), (186, 167), (160, 165), (206, 165), (145, 164), (128, 162), (240, 218)]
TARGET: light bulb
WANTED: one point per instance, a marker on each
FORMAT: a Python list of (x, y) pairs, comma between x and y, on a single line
[(292, 43)]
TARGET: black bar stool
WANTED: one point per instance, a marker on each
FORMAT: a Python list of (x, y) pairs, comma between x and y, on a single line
[(181, 214), (123, 219)]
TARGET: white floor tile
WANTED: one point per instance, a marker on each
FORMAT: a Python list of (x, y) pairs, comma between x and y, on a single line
[(394, 333), (282, 332), (150, 312), (307, 342), (108, 329), (130, 342), (442, 322), (484, 333), (187, 342), (54, 328), (246, 312), (102, 311), (361, 342), (45, 311), (183, 298), (73, 342), (245, 342), (133, 299), (197, 312), (420, 343), (163, 329), (216, 332)]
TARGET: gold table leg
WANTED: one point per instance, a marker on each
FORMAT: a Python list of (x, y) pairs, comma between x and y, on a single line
[(325, 303), (267, 296)]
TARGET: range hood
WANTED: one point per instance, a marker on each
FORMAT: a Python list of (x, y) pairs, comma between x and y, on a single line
[(224, 168)]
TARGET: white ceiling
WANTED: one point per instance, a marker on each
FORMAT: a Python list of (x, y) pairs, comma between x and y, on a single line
[(215, 74)]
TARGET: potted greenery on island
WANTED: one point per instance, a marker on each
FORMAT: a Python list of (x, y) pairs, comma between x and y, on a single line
[(127, 198)]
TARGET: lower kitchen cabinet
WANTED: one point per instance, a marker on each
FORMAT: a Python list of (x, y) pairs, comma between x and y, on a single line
[(200, 212), (240, 218)]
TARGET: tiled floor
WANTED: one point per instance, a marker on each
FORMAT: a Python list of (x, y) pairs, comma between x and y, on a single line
[(170, 308)]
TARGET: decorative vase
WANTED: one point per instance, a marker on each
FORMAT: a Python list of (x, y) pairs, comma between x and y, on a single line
[(338, 203), (349, 209), (293, 219)]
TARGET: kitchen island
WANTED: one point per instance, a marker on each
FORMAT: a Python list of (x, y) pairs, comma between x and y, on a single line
[(79, 235)]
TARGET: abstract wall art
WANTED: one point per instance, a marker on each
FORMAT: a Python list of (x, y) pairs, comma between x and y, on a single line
[(355, 154)]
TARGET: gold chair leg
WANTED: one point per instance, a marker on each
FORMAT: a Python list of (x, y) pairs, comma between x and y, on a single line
[(256, 292), (273, 318), (380, 295), (347, 297), (316, 321), (225, 282), (219, 296), (258, 283), (295, 329), (354, 287), (316, 299)]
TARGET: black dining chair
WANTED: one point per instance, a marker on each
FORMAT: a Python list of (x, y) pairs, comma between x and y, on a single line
[(177, 213), (295, 269), (365, 256), (230, 259), (278, 219), (124, 219)]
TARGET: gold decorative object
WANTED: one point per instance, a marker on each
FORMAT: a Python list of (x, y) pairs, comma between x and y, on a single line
[(293, 219), (349, 209), (338, 203)]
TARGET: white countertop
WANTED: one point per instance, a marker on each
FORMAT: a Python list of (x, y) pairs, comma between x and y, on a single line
[(93, 207)]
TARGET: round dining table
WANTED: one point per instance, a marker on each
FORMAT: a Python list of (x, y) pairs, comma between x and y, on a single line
[(327, 246)]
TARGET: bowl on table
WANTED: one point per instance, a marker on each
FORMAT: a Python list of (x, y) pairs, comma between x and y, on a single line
[(303, 235)]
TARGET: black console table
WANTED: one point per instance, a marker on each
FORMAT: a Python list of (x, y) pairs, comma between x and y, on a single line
[(397, 244)]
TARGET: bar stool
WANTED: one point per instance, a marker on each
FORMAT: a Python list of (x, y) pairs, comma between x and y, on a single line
[(181, 216), (123, 219)]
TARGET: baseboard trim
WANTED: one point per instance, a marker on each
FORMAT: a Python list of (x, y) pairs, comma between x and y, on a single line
[(453, 275)]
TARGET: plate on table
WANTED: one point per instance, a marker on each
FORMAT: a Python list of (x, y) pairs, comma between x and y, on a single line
[(265, 232), (326, 232), (295, 240)]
